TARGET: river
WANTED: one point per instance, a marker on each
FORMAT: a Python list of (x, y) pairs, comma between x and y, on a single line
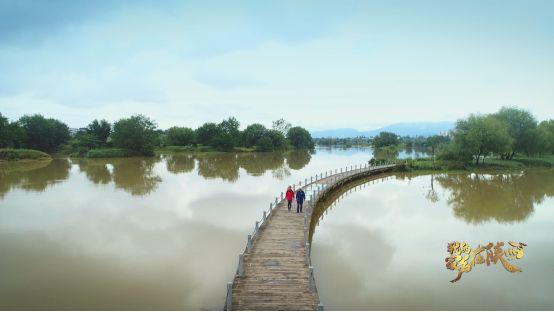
[(165, 233)]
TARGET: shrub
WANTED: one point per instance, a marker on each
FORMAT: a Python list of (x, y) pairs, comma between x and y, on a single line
[(20, 154), (111, 152)]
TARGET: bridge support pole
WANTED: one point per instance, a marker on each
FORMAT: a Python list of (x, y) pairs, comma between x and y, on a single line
[(249, 244), (311, 278), (256, 227), (305, 235), (265, 217), (276, 201), (281, 195), (270, 208), (229, 298), (241, 265), (306, 181)]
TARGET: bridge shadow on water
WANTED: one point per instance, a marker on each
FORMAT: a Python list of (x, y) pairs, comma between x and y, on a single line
[(334, 196)]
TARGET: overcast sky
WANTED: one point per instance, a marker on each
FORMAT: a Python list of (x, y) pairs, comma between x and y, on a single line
[(319, 64)]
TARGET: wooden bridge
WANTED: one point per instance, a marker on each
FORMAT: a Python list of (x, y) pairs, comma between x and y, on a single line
[(274, 272)]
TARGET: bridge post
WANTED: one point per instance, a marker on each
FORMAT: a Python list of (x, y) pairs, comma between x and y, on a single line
[(305, 235), (311, 278), (320, 307), (305, 220), (276, 201), (294, 187), (308, 253), (249, 244), (241, 265), (229, 298), (306, 181), (265, 217), (256, 227), (270, 208), (281, 195), (311, 179), (340, 170)]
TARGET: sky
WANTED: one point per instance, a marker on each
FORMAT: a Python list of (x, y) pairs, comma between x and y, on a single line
[(318, 64)]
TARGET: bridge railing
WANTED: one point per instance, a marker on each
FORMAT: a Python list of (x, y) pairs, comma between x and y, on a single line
[(315, 196)]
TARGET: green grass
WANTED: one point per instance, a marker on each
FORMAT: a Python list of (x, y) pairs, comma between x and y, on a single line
[(8, 154), (518, 163), (202, 149), (110, 152)]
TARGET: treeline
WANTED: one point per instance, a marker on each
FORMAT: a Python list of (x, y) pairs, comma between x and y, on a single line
[(504, 134), (347, 142), (508, 132), (139, 135)]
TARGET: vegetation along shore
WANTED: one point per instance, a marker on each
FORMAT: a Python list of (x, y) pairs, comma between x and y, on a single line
[(32, 136)]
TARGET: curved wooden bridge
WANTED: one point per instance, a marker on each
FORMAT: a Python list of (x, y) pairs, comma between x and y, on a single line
[(274, 272)]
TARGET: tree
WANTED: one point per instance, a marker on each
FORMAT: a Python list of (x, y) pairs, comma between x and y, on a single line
[(300, 138), (44, 134), (546, 128), (228, 130), (282, 126), (252, 134), (385, 139), (482, 135), (277, 139), (435, 141), (136, 133), (11, 134), (180, 136), (100, 129), (520, 125), (206, 133)]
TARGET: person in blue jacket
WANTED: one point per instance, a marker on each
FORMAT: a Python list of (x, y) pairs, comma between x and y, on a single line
[(300, 196)]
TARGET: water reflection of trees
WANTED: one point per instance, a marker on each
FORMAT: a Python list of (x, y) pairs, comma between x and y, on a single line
[(179, 163), (478, 198), (134, 175), (36, 176), (227, 165)]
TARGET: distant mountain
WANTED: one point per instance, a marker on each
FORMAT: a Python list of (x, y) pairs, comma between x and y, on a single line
[(402, 129)]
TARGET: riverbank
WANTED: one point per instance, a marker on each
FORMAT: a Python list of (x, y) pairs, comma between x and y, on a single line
[(517, 163), (10, 155)]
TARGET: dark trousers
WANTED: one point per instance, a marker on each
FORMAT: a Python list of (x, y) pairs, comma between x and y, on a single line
[(289, 204), (299, 206)]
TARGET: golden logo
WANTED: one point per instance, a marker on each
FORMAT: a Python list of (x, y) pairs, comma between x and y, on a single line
[(463, 258)]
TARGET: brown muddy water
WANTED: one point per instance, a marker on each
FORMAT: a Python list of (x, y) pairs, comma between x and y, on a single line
[(165, 232)]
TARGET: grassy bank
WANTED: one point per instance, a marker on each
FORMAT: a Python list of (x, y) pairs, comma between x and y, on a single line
[(517, 163), (202, 148), (114, 152), (8, 154)]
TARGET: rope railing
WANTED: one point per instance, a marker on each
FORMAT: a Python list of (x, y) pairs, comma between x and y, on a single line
[(317, 193)]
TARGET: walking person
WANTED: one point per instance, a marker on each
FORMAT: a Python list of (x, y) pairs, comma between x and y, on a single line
[(300, 196), (289, 196)]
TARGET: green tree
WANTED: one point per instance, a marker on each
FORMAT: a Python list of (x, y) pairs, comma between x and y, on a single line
[(265, 144), (277, 139), (180, 136), (300, 138), (481, 136), (136, 133), (229, 132), (521, 127), (546, 129), (385, 139), (100, 129), (206, 133), (11, 134), (44, 134), (434, 141), (252, 134)]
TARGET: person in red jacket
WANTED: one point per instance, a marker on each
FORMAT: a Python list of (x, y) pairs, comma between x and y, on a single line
[(289, 196)]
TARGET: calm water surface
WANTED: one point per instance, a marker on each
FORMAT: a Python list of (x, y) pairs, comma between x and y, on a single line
[(138, 233), (383, 245), (165, 233)]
